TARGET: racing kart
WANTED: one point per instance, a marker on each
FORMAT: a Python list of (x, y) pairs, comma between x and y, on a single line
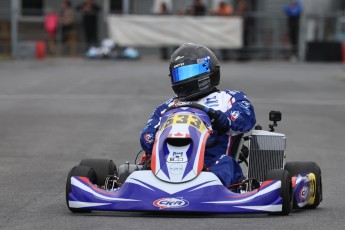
[(175, 179)]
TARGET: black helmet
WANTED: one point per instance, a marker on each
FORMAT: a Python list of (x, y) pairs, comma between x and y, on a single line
[(194, 71)]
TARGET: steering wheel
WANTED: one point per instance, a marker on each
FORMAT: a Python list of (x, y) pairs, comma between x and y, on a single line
[(210, 112)]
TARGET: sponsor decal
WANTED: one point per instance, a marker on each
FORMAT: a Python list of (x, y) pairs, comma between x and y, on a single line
[(244, 104), (176, 159), (202, 60), (247, 111), (303, 193), (179, 134), (181, 103), (178, 65), (148, 138), (164, 203), (235, 115), (232, 92), (177, 154), (211, 101), (169, 101), (176, 169), (178, 58)]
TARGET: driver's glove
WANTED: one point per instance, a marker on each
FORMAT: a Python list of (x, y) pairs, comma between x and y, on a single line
[(220, 122), (145, 157)]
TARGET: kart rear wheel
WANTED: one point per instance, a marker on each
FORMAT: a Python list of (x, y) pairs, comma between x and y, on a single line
[(79, 171), (286, 188), (102, 167), (296, 168)]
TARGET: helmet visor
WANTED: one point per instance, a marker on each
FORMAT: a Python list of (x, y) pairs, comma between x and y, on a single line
[(188, 71)]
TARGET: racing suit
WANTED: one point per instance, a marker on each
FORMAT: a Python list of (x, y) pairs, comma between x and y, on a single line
[(217, 157)]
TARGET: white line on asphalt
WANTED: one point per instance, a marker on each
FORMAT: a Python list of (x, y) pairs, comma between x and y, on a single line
[(313, 102)]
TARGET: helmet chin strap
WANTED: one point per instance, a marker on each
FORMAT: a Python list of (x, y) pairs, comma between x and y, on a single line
[(199, 96)]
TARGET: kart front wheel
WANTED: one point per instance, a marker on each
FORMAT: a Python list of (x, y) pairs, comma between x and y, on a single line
[(286, 188), (83, 171), (297, 167), (103, 168)]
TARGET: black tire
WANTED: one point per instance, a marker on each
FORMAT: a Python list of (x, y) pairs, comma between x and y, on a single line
[(79, 171), (102, 167), (286, 188), (296, 168)]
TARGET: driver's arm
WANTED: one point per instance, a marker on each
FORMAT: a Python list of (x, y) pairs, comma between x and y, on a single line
[(148, 134), (241, 113)]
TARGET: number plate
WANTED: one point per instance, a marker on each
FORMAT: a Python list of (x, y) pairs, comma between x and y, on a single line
[(187, 119)]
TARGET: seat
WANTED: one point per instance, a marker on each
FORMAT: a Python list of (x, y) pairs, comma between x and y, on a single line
[(237, 147)]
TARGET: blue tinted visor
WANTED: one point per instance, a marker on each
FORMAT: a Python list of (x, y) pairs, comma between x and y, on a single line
[(188, 71)]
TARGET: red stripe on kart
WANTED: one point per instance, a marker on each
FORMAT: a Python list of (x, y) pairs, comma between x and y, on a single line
[(92, 186), (243, 194), (265, 184), (153, 158), (202, 152), (293, 181)]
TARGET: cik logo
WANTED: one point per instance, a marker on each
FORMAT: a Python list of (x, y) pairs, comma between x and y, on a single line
[(304, 193), (235, 115), (178, 202), (148, 138)]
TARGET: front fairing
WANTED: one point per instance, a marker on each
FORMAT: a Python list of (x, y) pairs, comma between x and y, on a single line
[(178, 152), (143, 191)]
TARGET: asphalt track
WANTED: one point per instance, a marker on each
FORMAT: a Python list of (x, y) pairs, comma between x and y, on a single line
[(55, 113)]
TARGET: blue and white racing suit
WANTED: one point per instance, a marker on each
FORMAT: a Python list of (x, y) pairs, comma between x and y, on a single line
[(218, 157)]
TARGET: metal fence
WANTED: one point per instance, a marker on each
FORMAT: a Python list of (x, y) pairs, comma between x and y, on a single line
[(325, 27), (31, 29), (264, 37)]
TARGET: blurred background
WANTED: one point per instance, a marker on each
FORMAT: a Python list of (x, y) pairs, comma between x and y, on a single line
[(305, 30)]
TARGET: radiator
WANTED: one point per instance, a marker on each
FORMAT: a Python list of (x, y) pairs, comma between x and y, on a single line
[(266, 152)]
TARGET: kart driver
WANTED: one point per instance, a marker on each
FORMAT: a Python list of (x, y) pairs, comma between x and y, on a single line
[(195, 73)]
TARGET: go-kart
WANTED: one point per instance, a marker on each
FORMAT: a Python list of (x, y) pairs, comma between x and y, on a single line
[(175, 179)]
